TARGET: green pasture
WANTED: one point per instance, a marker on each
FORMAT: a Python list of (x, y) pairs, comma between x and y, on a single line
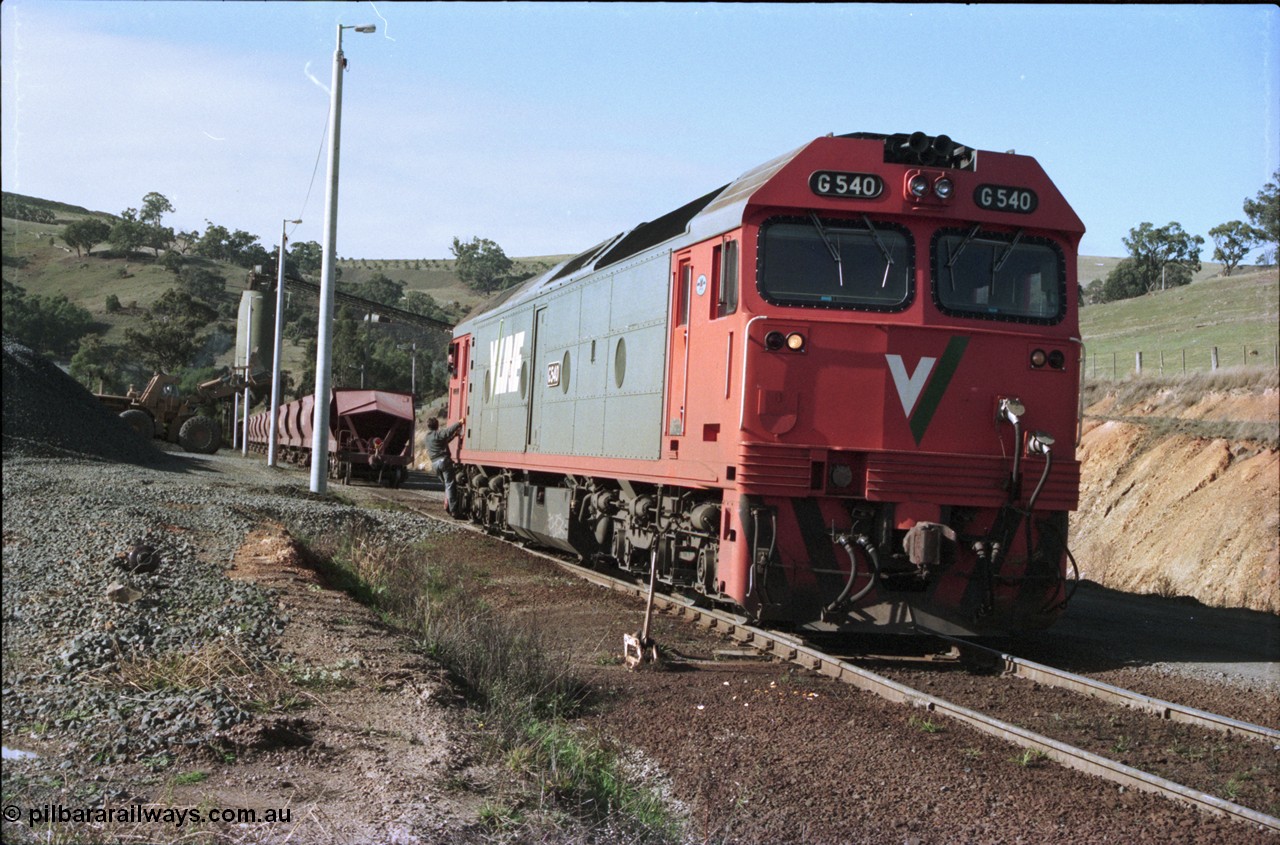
[(1240, 315)]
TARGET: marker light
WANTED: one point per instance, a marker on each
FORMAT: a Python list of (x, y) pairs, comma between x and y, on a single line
[(1057, 360), (1038, 358), (943, 188), (774, 341)]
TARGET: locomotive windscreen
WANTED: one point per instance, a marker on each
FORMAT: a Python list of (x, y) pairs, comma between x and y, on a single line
[(835, 264), (999, 277)]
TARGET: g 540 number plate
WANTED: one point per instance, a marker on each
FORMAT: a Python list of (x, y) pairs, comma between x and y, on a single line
[(835, 183), (1005, 198)]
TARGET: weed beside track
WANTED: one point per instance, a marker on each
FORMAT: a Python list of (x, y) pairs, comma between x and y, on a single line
[(525, 695)]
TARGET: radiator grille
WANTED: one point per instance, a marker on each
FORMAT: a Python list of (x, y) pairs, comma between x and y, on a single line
[(966, 479), (767, 465), (976, 480)]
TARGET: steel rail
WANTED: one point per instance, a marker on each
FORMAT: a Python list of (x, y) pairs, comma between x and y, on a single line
[(1082, 685), (794, 650)]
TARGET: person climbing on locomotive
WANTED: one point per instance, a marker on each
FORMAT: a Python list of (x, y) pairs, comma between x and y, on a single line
[(441, 458)]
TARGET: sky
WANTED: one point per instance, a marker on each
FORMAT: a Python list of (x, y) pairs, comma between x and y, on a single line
[(547, 127)]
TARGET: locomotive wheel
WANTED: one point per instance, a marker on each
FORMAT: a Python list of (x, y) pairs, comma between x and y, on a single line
[(200, 434), (140, 421)]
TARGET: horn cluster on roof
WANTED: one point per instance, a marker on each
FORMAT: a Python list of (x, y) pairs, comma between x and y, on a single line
[(928, 151)]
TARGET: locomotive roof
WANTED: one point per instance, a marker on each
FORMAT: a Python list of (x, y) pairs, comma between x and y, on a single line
[(718, 211)]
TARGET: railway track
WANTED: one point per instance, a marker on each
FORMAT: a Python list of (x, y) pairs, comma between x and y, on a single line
[(793, 649), (1082, 685)]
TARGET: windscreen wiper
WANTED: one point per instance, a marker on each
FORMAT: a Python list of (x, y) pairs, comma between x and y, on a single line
[(1005, 257), (955, 256), (884, 250), (835, 252)]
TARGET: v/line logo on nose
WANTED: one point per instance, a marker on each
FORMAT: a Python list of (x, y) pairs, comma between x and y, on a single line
[(919, 393)]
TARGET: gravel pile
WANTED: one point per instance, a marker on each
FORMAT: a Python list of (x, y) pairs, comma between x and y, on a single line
[(100, 646), (48, 413), (79, 622)]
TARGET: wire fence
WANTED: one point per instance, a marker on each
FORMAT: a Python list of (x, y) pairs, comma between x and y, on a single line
[(1118, 364)]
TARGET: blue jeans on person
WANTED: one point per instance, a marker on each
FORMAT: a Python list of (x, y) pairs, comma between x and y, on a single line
[(444, 469)]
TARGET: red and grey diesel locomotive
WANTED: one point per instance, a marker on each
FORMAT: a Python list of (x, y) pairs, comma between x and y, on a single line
[(840, 392)]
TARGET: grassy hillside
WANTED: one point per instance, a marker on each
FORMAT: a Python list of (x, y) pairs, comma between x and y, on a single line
[(434, 276), (37, 259), (1090, 267), (1238, 314), (64, 212)]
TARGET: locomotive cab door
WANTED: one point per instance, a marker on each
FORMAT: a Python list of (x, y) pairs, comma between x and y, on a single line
[(678, 375), (459, 371)]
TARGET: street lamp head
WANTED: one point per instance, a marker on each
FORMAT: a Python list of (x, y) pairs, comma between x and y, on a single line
[(293, 221), (368, 27)]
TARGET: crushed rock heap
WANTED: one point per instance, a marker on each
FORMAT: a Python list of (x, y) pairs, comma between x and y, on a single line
[(47, 413)]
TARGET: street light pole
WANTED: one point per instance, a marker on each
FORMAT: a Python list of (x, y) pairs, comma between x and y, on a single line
[(277, 350), (248, 356), (324, 339)]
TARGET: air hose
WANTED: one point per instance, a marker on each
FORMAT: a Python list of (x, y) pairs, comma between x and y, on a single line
[(873, 557)]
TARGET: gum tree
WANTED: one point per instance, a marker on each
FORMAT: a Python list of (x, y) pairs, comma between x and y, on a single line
[(1232, 242), (1264, 212)]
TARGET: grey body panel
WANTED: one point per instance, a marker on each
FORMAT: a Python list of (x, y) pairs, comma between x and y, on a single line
[(579, 370)]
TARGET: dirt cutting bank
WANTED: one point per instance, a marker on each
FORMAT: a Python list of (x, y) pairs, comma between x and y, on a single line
[(1180, 490)]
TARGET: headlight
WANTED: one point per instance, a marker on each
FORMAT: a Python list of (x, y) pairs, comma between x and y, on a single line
[(918, 185), (943, 188), (795, 341), (841, 475), (1038, 358)]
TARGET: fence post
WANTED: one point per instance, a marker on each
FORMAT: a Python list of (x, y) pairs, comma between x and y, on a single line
[(1113, 365), (1137, 363), (1184, 361), (1162, 362), (1213, 358)]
